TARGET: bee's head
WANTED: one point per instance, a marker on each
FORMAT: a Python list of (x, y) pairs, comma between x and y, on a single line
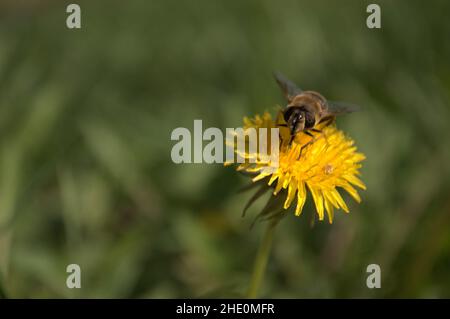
[(295, 118)]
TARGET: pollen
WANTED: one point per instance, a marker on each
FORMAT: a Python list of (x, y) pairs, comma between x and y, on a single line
[(329, 168)]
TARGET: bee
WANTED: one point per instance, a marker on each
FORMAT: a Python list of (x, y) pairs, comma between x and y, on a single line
[(306, 109)]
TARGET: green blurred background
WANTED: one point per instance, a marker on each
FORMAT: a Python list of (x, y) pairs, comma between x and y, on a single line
[(85, 169)]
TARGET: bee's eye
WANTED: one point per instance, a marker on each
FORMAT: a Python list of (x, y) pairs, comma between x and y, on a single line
[(287, 114)]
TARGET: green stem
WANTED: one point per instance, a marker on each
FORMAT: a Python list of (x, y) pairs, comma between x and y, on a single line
[(261, 260)]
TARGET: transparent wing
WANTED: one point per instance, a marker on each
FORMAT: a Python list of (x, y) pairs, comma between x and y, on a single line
[(338, 108), (290, 90)]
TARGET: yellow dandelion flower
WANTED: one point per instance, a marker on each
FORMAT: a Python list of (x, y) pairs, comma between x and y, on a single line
[(320, 165)]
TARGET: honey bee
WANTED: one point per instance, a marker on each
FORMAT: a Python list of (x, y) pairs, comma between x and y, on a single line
[(306, 109)]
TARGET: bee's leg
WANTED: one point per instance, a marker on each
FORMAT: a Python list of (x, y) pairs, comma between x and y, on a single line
[(303, 147), (291, 140), (320, 131), (307, 144), (279, 135), (328, 121)]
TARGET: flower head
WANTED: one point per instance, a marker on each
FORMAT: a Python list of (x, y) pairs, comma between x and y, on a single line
[(321, 164)]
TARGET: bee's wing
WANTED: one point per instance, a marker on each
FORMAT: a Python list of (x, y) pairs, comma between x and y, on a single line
[(338, 108), (290, 90)]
